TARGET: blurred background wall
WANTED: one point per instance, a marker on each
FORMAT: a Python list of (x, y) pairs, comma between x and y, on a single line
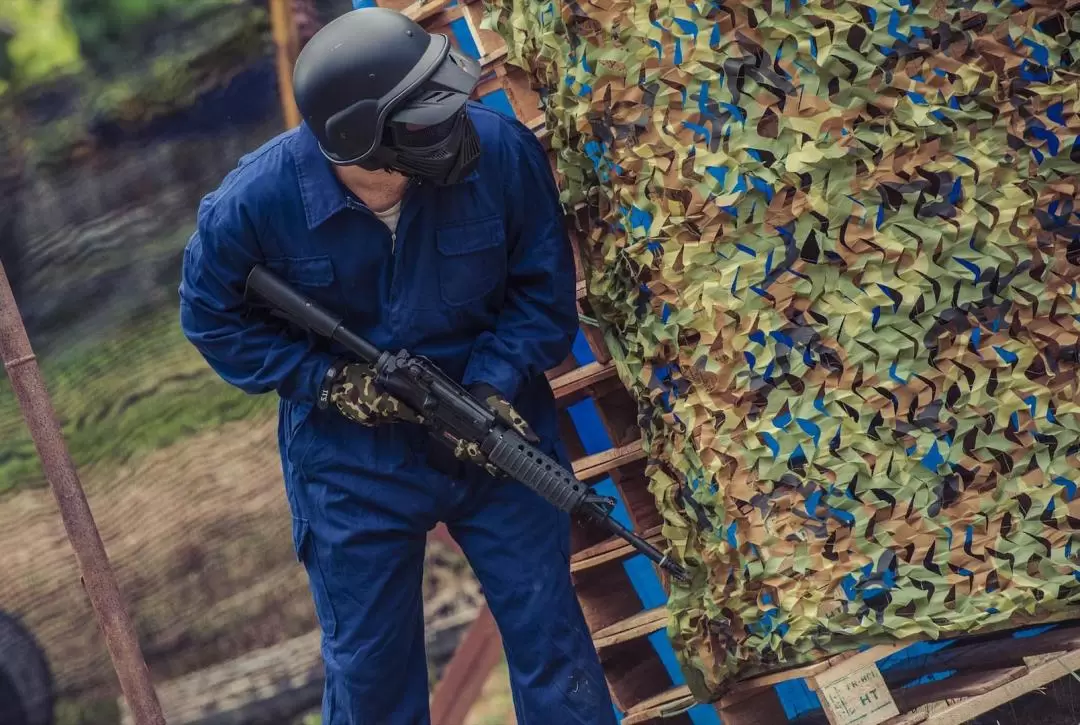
[(116, 117)]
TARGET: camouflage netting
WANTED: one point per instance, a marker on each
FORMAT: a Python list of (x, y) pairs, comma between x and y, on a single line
[(838, 244)]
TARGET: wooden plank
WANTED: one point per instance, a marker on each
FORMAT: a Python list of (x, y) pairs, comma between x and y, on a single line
[(640, 625), (442, 535), (970, 684), (399, 5), (472, 22), (999, 652), (463, 679), (487, 86), (970, 708), (670, 702), (640, 503), (856, 695), (593, 336), (763, 707), (493, 57), (283, 31), (489, 44), (618, 412), (568, 365), (607, 596), (581, 379), (610, 550), (807, 672), (635, 673), (248, 688), (424, 10), (439, 23), (600, 464), (844, 667)]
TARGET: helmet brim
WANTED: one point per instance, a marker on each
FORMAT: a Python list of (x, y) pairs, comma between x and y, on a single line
[(443, 94)]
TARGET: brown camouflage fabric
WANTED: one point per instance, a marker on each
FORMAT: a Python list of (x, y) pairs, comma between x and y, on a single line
[(355, 395), (470, 453), (835, 248), (502, 408)]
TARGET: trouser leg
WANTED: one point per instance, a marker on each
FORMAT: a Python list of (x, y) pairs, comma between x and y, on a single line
[(519, 545), (366, 581)]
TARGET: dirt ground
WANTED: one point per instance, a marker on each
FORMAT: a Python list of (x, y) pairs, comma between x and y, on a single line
[(199, 536)]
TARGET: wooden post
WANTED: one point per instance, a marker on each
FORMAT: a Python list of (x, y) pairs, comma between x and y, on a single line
[(98, 579), (474, 658), (284, 32), (463, 679)]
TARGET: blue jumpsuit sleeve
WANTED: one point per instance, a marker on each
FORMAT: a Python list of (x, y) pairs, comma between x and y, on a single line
[(248, 351), (536, 327)]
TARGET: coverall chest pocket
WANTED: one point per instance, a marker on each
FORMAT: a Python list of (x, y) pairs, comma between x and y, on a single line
[(472, 259), (312, 276)]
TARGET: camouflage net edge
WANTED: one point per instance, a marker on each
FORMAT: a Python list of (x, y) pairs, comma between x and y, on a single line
[(838, 245)]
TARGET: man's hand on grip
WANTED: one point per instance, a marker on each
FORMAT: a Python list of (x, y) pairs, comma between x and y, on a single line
[(501, 407), (354, 394)]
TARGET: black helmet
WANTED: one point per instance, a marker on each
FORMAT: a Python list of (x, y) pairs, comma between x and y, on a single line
[(379, 91)]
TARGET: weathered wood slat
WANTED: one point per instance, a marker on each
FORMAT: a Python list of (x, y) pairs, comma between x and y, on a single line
[(609, 550), (464, 677), (971, 707), (423, 10), (579, 380), (640, 625), (670, 702), (970, 684), (600, 464), (278, 678), (997, 653)]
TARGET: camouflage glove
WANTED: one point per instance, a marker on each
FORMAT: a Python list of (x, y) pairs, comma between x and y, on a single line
[(354, 394), (502, 408), (470, 453)]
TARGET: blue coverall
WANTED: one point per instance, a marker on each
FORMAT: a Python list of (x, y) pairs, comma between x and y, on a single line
[(479, 277)]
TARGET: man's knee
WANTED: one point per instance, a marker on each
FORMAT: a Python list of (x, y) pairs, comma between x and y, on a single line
[(373, 630), (376, 672)]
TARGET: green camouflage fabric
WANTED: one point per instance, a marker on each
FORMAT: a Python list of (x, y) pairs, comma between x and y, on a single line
[(509, 415), (835, 246), (470, 452), (356, 397)]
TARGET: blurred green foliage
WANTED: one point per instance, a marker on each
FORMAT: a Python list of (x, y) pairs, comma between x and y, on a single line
[(111, 32), (199, 47), (95, 712), (140, 389), (43, 41), (43, 38)]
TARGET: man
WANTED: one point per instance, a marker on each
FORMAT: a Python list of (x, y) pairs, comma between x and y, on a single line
[(431, 224)]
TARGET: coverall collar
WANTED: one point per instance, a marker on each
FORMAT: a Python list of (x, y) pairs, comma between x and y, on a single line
[(322, 193)]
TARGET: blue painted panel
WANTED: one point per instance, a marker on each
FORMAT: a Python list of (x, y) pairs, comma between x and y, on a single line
[(460, 29), (587, 422), (500, 102), (797, 698), (582, 352)]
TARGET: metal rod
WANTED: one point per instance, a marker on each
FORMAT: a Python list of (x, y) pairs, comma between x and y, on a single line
[(82, 532)]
